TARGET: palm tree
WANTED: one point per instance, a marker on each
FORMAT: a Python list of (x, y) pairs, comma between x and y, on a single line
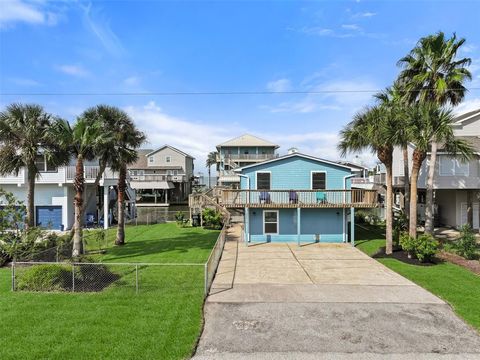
[(393, 97), (24, 136), (433, 74), (375, 128), (428, 122), (211, 160), (125, 139), (82, 141)]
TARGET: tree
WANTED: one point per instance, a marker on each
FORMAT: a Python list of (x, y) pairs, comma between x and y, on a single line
[(375, 128), (429, 121), (211, 160), (83, 141), (393, 97), (432, 74), (25, 138), (124, 140)]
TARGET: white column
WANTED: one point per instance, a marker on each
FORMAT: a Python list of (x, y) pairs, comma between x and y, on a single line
[(344, 220), (352, 226), (247, 224), (298, 226), (166, 196), (105, 207)]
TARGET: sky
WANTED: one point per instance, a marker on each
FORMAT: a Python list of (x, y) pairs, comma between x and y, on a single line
[(70, 55)]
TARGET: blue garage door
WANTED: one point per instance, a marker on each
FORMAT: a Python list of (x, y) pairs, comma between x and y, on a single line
[(49, 217)]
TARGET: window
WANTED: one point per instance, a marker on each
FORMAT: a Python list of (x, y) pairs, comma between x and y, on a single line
[(319, 181), (270, 222), (449, 166), (150, 159), (169, 172), (175, 172), (263, 180), (43, 165), (168, 159), (134, 172)]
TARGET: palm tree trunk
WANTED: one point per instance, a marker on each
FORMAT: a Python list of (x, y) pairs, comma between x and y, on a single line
[(406, 180), (417, 161), (31, 175), (429, 210), (90, 195), (78, 184), (209, 182), (122, 176), (389, 211)]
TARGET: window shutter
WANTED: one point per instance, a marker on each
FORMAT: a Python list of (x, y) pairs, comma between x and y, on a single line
[(318, 181)]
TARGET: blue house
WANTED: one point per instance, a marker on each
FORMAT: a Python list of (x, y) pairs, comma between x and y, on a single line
[(298, 198)]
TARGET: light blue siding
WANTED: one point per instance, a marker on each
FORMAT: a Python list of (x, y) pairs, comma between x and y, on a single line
[(327, 223), (295, 173)]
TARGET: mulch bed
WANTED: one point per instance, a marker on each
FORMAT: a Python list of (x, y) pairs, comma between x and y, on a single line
[(402, 256), (472, 265)]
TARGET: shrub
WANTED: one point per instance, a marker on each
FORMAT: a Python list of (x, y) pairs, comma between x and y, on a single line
[(180, 218), (425, 247), (45, 278), (400, 224), (408, 244), (212, 219), (466, 245)]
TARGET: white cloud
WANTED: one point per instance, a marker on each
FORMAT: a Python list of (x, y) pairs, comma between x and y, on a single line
[(468, 48), (366, 14), (279, 85), (30, 12), (24, 82), (468, 105), (351, 27), (196, 139), (100, 27), (132, 81), (74, 70)]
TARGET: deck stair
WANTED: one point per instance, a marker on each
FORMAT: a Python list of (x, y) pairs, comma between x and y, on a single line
[(210, 199)]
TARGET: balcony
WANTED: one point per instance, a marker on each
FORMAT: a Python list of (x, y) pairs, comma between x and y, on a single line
[(247, 157), (158, 177), (358, 198)]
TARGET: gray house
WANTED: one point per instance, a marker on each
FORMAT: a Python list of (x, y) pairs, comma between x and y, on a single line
[(162, 176), (456, 184)]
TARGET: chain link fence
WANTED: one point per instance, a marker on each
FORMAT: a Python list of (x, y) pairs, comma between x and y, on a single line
[(57, 275), (122, 278)]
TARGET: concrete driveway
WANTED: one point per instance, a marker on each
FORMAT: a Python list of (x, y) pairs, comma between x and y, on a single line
[(322, 301)]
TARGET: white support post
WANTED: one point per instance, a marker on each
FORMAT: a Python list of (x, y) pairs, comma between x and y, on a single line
[(247, 225), (344, 220), (298, 226), (352, 226), (166, 196), (105, 208)]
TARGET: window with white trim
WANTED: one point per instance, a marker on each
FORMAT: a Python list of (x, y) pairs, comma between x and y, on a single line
[(319, 180), (168, 159), (43, 165), (150, 159), (449, 166), (270, 222), (263, 180)]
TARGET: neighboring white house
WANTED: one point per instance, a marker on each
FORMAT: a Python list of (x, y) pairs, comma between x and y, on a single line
[(162, 176), (54, 194), (456, 183)]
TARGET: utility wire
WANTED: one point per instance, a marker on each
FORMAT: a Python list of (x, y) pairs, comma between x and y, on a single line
[(194, 93)]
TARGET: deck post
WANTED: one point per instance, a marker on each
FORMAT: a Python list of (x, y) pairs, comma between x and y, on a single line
[(352, 226), (344, 220), (298, 225), (105, 208), (247, 225)]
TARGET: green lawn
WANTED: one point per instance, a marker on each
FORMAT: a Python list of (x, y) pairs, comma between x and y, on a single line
[(162, 322), (454, 284)]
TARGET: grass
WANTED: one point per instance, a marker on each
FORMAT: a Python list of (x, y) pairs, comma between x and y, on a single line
[(454, 284), (162, 322)]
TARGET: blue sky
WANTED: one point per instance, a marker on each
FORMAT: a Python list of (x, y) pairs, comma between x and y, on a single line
[(156, 46)]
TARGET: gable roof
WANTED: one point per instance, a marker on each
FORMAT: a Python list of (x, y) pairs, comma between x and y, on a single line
[(172, 148), (353, 165), (467, 116), (247, 140), (288, 156), (141, 162)]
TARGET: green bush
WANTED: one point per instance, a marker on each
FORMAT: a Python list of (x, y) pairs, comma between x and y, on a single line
[(212, 219), (423, 247), (46, 277), (426, 247), (408, 244), (466, 245)]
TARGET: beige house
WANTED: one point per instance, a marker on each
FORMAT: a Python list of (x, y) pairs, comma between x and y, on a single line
[(241, 151), (456, 184), (162, 176)]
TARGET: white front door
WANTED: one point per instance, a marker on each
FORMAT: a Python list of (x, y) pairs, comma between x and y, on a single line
[(464, 217)]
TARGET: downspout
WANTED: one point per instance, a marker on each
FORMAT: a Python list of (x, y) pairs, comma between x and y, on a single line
[(247, 213), (344, 194)]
